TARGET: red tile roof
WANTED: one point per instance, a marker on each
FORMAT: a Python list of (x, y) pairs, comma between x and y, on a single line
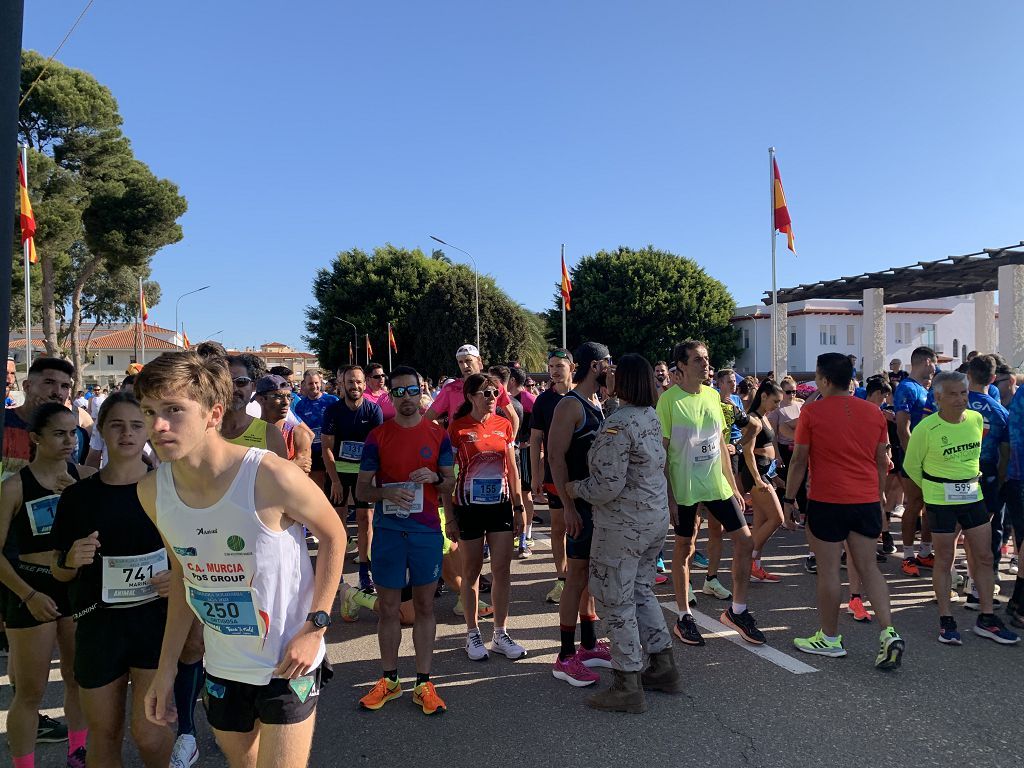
[(129, 339)]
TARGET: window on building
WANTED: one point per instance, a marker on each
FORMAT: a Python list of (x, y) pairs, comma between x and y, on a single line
[(746, 339), (822, 335), (832, 335), (929, 336), (849, 335), (956, 348), (110, 359), (792, 336)]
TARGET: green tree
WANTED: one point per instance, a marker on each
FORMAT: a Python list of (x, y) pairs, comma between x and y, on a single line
[(646, 301), (429, 301)]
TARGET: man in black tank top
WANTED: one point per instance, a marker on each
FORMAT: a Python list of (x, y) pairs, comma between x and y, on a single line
[(576, 421)]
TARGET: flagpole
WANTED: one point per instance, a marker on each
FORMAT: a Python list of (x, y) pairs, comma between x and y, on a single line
[(389, 347), (775, 296), (563, 301), (142, 323), (28, 276)]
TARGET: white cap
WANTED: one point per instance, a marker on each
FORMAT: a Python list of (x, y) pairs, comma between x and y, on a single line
[(467, 349)]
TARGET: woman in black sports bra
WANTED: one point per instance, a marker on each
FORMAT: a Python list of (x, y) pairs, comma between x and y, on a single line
[(36, 611), (757, 473)]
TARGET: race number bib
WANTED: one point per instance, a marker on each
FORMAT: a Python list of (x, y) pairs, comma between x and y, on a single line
[(126, 579), (351, 451), (958, 493), (703, 451), (485, 490), (41, 513), (391, 508), (230, 612)]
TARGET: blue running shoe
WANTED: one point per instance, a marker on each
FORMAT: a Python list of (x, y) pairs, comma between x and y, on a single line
[(660, 565), (948, 633), (700, 560), (991, 627)]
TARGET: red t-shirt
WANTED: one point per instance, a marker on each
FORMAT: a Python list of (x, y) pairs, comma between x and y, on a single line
[(843, 434), (480, 450)]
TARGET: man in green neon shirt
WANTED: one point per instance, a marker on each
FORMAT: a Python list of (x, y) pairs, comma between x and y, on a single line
[(943, 458)]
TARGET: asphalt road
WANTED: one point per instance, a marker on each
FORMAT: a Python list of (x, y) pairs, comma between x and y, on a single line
[(945, 706)]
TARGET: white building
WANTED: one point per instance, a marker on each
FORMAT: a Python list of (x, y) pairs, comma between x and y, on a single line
[(817, 326)]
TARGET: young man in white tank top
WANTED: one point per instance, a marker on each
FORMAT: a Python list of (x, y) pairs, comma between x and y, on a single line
[(233, 518)]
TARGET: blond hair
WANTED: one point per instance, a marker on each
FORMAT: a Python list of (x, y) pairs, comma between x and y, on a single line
[(202, 380), (788, 380)]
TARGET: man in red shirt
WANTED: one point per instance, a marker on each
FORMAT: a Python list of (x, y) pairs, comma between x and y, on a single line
[(845, 442)]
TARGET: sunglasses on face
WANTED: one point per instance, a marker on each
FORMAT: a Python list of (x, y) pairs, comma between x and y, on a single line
[(789, 391), (490, 394), (413, 390), (242, 381), (279, 396), (378, 376)]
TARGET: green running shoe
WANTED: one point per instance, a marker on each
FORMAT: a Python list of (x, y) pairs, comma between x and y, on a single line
[(819, 646), (890, 652)]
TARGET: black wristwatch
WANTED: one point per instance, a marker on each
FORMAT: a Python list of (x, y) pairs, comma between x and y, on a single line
[(788, 501), (320, 619), (518, 508), (62, 561)]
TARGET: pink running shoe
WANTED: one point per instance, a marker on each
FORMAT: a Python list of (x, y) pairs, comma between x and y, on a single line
[(573, 672), (598, 656)]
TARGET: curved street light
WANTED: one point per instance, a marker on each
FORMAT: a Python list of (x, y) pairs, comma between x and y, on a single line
[(355, 337), (476, 281), (177, 330)]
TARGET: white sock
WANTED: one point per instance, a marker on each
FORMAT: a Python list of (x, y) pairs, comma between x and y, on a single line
[(829, 638), (756, 557), (499, 631), (684, 612), (529, 531), (908, 552), (738, 608)]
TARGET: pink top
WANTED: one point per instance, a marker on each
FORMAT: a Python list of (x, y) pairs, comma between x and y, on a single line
[(450, 398), (382, 399)]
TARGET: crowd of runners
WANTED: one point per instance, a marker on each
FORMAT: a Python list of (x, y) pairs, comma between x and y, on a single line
[(163, 534)]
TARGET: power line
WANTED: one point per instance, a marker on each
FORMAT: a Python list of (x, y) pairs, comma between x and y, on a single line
[(47, 64)]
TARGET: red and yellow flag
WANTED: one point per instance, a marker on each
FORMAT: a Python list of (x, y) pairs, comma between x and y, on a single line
[(28, 219), (350, 354), (782, 221), (566, 287), (369, 348), (184, 339), (142, 303), (391, 339)]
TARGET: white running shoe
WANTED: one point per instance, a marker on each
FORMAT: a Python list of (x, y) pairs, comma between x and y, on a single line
[(185, 752), (475, 648), (506, 646)]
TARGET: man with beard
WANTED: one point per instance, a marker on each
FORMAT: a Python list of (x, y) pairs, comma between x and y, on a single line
[(238, 426), (311, 409), (274, 396)]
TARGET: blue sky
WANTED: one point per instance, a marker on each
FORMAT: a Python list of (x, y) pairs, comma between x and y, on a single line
[(508, 129)]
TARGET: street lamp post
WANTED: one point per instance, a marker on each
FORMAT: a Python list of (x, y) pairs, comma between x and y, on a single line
[(177, 330), (476, 281), (355, 337)]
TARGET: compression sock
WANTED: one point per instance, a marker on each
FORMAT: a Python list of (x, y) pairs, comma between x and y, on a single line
[(568, 642), (187, 683), (364, 573), (529, 530), (76, 739), (391, 674), (364, 600), (25, 761), (588, 631), (422, 677)]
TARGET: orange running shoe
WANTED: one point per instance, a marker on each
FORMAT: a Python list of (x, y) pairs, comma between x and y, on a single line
[(384, 691), (425, 695), (909, 566), (926, 561), (857, 610), (758, 573)]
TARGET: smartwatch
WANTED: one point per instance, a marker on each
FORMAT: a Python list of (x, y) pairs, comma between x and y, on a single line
[(320, 619), (518, 508), (62, 561)]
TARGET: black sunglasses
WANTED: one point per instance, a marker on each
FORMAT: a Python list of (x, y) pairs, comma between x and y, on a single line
[(413, 390), (378, 376), (561, 354), (242, 381)]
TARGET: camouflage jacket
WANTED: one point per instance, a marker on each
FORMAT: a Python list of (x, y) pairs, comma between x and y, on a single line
[(627, 485)]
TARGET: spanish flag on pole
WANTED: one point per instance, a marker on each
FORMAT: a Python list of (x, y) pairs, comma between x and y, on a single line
[(28, 219), (369, 348), (782, 221), (142, 303), (184, 339), (391, 339), (566, 286)]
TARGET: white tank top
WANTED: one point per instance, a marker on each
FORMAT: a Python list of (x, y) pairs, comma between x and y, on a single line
[(250, 586)]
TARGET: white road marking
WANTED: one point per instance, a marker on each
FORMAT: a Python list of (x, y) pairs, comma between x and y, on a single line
[(766, 652)]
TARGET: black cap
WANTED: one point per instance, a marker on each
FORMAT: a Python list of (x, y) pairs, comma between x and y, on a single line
[(589, 352)]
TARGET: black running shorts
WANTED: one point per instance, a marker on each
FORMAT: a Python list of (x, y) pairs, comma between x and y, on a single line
[(235, 707), (726, 511), (834, 522), (111, 641), (944, 518), (477, 519)]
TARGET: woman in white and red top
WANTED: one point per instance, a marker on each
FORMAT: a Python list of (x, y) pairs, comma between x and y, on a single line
[(488, 504)]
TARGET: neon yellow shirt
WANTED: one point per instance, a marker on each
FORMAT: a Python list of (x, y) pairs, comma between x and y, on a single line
[(951, 452), (255, 435), (693, 424)]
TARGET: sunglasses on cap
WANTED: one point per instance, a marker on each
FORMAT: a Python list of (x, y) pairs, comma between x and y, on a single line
[(561, 354), (413, 390)]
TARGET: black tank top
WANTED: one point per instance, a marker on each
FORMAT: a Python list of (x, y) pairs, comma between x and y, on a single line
[(582, 438), (34, 519), (766, 435)]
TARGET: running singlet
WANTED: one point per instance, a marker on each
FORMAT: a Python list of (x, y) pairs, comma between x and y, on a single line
[(996, 419), (945, 459), (393, 452), (131, 550), (312, 414), (251, 587), (481, 451), (33, 521), (912, 398), (543, 410), (576, 463), (693, 424), (349, 428), (255, 435)]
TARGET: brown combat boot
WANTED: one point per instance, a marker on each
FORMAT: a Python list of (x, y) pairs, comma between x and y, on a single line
[(625, 695), (662, 674)]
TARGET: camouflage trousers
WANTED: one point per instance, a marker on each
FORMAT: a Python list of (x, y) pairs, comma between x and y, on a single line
[(622, 570)]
